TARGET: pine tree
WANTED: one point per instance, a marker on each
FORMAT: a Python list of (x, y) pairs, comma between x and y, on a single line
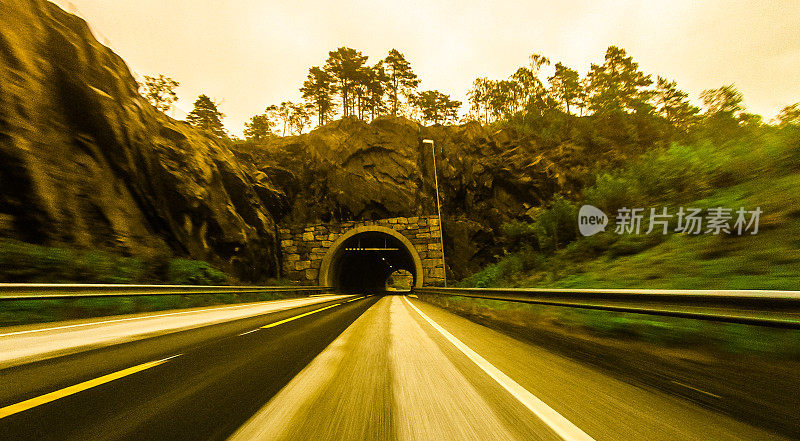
[(479, 98), (318, 90), (565, 86), (673, 104), (436, 107), (402, 81), (345, 65), (259, 128), (376, 90), (618, 85), (725, 101), (206, 116)]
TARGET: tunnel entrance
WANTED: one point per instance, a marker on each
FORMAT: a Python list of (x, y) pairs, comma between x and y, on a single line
[(363, 259)]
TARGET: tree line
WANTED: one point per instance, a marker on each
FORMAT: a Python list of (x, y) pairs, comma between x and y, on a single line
[(616, 86), (346, 85)]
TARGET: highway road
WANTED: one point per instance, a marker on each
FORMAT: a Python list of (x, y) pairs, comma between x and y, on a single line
[(355, 368)]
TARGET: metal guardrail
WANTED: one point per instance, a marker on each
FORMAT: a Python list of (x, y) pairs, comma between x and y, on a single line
[(778, 309), (22, 291)]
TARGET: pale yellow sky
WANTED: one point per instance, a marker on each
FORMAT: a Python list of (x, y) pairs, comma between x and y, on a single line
[(249, 54)]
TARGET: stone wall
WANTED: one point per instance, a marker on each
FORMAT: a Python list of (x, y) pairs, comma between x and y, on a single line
[(303, 247)]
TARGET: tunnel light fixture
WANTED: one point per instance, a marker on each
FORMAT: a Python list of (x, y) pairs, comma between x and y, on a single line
[(371, 249)]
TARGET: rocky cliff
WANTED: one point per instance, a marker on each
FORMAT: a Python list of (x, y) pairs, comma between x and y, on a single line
[(352, 170), (86, 161)]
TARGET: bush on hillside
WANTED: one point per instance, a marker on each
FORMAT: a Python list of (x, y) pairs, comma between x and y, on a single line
[(29, 263)]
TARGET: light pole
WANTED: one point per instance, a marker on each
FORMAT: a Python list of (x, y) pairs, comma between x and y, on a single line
[(438, 208)]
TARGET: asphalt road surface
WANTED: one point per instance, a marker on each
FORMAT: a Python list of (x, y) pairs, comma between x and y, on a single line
[(374, 368)]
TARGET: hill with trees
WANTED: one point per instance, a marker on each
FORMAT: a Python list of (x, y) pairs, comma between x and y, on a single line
[(90, 161)]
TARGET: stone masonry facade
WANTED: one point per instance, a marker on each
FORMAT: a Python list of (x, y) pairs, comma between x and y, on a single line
[(303, 247)]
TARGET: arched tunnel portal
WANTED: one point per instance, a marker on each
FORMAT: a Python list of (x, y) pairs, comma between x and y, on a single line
[(362, 259), (359, 256)]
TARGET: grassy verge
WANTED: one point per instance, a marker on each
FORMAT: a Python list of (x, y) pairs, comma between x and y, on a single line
[(28, 263), (620, 328)]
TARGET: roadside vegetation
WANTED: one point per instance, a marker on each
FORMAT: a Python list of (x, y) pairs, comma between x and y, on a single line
[(29, 263), (752, 166), (624, 140), (758, 168), (24, 262)]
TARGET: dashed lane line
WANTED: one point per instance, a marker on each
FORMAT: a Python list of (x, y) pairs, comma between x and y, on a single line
[(272, 325)]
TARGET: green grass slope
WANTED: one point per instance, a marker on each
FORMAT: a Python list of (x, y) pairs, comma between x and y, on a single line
[(756, 168)]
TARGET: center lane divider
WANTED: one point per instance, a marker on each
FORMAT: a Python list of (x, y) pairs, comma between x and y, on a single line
[(70, 390), (272, 325)]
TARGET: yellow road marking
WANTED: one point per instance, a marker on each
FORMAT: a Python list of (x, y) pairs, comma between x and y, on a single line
[(61, 393), (271, 325), (353, 300)]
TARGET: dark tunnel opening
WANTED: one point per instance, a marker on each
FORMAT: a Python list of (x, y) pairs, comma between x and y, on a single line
[(363, 262)]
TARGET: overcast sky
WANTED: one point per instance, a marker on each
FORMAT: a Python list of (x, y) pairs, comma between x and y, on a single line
[(248, 54)]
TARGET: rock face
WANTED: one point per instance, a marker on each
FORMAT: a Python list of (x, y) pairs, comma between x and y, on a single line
[(86, 161), (352, 170)]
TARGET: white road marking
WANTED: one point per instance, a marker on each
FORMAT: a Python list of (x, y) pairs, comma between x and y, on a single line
[(696, 389), (117, 320), (124, 320), (249, 332), (560, 425)]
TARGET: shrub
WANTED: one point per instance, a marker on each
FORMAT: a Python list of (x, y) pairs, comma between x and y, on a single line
[(557, 226), (676, 175), (519, 234), (612, 192), (29, 263), (194, 272)]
